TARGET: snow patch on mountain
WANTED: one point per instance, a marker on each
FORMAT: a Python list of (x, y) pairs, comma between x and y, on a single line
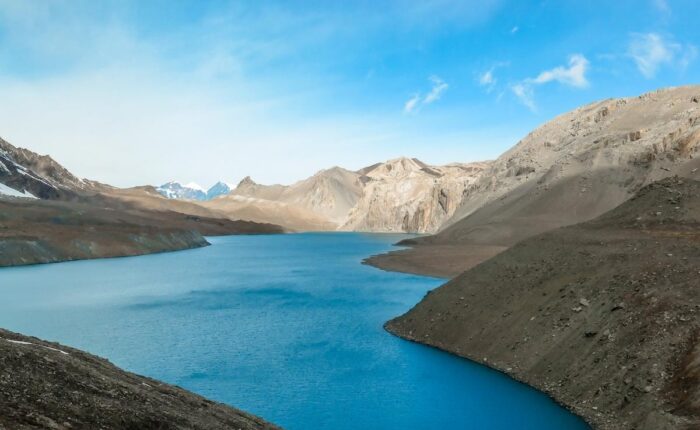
[(7, 191), (193, 191)]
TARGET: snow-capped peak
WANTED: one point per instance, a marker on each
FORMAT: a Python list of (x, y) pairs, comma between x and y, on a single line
[(195, 186)]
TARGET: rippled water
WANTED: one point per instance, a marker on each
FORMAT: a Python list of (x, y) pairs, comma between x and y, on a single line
[(288, 327)]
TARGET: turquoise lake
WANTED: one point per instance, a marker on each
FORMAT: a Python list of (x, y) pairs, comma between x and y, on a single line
[(288, 327)]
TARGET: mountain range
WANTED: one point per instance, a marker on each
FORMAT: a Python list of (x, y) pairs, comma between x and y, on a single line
[(573, 254), (399, 195), (192, 191)]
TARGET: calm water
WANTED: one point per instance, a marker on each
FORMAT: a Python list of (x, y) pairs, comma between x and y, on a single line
[(287, 327)]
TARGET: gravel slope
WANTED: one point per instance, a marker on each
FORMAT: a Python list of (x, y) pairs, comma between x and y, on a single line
[(604, 316), (49, 386)]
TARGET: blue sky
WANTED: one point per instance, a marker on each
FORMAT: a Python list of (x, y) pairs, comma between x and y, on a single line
[(141, 92)]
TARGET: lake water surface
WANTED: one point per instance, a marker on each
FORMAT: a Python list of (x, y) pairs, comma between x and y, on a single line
[(288, 327)]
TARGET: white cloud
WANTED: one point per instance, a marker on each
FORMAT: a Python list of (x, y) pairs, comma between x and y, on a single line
[(417, 100), (487, 79), (690, 53), (439, 87), (574, 75), (524, 93), (651, 51), (412, 103), (514, 30), (662, 6)]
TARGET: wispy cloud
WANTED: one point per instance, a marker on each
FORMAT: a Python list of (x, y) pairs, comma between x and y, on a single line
[(524, 93), (439, 87), (514, 30), (662, 6), (488, 78), (651, 51), (417, 100), (412, 103)]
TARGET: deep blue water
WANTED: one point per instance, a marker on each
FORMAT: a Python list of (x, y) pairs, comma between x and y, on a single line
[(288, 327)]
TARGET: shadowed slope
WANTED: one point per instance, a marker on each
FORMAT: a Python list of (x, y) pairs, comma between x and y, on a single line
[(604, 315), (46, 385)]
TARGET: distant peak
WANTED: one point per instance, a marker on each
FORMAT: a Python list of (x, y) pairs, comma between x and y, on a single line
[(404, 163), (194, 186), (247, 181)]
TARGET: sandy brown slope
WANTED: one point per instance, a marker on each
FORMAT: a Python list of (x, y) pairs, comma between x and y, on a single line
[(572, 169), (318, 203), (36, 231), (49, 386), (604, 316)]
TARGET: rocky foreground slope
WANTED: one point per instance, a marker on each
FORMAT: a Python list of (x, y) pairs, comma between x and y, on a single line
[(604, 316), (572, 169), (50, 386)]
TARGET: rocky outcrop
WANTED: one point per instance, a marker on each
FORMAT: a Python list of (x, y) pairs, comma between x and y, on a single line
[(604, 316), (50, 386), (407, 195)]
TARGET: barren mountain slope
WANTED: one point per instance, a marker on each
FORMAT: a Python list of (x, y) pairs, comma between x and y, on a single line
[(572, 169), (39, 175), (320, 202), (291, 217), (407, 195), (37, 231), (47, 214), (51, 386), (604, 316)]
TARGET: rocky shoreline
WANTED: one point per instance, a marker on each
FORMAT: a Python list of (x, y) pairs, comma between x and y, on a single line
[(63, 388), (602, 316)]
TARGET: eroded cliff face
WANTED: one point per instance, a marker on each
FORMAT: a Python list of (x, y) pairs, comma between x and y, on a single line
[(407, 195)]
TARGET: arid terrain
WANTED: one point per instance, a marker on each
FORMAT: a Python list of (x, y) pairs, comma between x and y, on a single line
[(37, 231), (399, 195), (63, 388), (574, 255), (572, 169), (47, 215), (604, 316)]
